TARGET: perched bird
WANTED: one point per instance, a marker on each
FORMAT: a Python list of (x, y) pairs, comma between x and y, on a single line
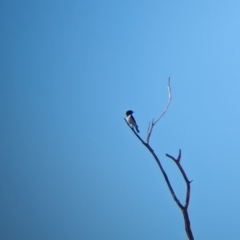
[(131, 120)]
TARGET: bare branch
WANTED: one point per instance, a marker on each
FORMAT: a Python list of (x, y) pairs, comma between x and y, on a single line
[(169, 100), (135, 132), (165, 110), (177, 161), (165, 176), (179, 155), (187, 199), (187, 224), (160, 166)]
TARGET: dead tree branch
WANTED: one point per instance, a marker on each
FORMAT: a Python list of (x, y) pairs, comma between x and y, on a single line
[(187, 198), (151, 125), (184, 208), (160, 166)]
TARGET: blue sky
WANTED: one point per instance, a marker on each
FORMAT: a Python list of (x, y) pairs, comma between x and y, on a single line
[(70, 168)]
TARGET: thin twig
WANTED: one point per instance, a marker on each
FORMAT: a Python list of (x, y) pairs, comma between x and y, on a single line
[(150, 128)]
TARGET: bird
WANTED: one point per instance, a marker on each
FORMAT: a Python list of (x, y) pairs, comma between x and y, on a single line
[(131, 120)]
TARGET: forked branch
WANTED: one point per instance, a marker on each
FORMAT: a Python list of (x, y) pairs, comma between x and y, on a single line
[(160, 166), (177, 162), (187, 198)]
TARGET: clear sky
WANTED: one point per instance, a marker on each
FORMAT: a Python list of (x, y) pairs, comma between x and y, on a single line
[(70, 168)]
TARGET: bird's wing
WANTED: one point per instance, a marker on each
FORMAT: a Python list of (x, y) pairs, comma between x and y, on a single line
[(134, 120)]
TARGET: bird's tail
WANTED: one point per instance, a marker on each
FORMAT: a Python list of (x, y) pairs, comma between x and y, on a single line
[(137, 128)]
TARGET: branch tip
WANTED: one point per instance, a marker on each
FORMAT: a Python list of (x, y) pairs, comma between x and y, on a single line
[(169, 78), (179, 155)]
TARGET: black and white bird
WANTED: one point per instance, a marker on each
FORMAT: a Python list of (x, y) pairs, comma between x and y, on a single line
[(131, 120)]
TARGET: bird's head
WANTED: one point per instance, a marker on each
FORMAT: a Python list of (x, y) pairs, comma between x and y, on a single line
[(129, 112)]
